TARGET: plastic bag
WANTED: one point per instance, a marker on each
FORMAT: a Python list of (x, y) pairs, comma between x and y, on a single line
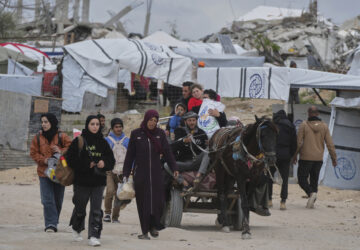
[(126, 190), (50, 170)]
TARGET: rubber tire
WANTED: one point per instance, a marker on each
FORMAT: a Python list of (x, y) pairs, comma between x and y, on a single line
[(174, 209), (238, 217)]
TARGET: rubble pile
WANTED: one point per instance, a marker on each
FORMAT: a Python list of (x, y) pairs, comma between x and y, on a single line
[(296, 37)]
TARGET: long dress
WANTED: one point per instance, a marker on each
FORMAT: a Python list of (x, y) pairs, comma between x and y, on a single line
[(148, 176)]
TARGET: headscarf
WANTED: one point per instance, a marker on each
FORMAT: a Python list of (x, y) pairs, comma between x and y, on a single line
[(151, 133), (88, 135), (49, 135)]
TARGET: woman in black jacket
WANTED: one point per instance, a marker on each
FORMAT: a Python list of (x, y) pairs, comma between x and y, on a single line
[(90, 165)]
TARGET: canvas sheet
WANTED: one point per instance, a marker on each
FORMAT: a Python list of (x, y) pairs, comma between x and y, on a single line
[(346, 127), (101, 59), (30, 85), (15, 68), (252, 82)]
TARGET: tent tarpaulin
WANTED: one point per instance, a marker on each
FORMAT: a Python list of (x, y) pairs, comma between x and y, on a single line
[(271, 83), (101, 60), (163, 38), (345, 129), (252, 82), (33, 53), (30, 85), (222, 60), (5, 54)]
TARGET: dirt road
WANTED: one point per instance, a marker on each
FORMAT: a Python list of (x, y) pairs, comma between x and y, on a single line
[(333, 224)]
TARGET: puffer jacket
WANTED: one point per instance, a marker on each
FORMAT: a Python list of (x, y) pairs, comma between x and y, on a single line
[(43, 151)]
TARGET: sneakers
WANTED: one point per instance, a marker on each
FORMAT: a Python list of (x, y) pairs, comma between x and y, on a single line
[(116, 221), (282, 205), (107, 218), (50, 229), (77, 236), (311, 201), (94, 242)]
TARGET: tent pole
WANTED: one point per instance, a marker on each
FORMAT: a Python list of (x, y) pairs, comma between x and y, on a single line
[(318, 95)]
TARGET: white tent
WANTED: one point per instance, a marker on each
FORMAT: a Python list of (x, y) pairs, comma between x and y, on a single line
[(345, 129), (44, 61), (163, 38), (270, 83), (94, 66)]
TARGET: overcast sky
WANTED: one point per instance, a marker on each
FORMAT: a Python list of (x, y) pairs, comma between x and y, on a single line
[(198, 18)]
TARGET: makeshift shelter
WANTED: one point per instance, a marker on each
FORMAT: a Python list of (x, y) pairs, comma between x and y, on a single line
[(271, 83), (6, 54), (94, 66), (44, 62), (30, 85), (274, 83), (345, 129), (163, 38)]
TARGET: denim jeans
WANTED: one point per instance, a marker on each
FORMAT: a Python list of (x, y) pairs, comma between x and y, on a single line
[(52, 196)]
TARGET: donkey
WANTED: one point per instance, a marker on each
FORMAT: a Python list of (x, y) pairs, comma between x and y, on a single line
[(241, 154)]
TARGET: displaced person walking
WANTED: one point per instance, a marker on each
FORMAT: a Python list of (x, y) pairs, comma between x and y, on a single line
[(285, 149), (46, 143), (147, 146), (119, 144), (90, 156), (310, 144)]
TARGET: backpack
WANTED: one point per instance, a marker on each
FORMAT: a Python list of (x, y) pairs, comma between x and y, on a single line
[(65, 174), (119, 154)]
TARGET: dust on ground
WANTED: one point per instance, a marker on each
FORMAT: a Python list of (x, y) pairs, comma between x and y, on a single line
[(333, 224)]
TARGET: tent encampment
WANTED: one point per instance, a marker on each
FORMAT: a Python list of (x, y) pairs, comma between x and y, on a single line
[(44, 62), (271, 83), (6, 54), (94, 66)]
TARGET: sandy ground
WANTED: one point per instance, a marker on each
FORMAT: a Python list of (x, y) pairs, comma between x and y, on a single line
[(333, 224)]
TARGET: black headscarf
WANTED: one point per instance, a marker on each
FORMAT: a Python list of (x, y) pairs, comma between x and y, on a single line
[(49, 135), (90, 137), (151, 133)]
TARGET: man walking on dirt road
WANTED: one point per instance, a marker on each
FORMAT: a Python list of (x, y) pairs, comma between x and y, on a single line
[(310, 144)]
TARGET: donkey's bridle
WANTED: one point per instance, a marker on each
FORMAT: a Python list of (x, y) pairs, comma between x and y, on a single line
[(260, 158)]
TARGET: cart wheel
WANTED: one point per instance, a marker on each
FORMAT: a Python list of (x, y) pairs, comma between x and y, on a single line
[(174, 209), (238, 217)]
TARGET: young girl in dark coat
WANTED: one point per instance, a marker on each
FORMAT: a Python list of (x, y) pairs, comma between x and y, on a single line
[(96, 157), (148, 144)]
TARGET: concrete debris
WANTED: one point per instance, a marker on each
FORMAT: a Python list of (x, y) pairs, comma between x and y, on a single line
[(296, 37)]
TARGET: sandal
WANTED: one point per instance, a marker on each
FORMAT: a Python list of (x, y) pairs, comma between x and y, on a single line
[(154, 233), (143, 237)]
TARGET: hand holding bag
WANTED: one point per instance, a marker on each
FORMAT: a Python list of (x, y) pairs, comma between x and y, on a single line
[(126, 190)]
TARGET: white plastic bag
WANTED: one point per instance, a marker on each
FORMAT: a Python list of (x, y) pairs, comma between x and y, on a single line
[(126, 190)]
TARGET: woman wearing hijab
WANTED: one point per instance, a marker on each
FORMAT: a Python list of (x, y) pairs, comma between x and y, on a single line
[(148, 144), (43, 146), (95, 158)]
